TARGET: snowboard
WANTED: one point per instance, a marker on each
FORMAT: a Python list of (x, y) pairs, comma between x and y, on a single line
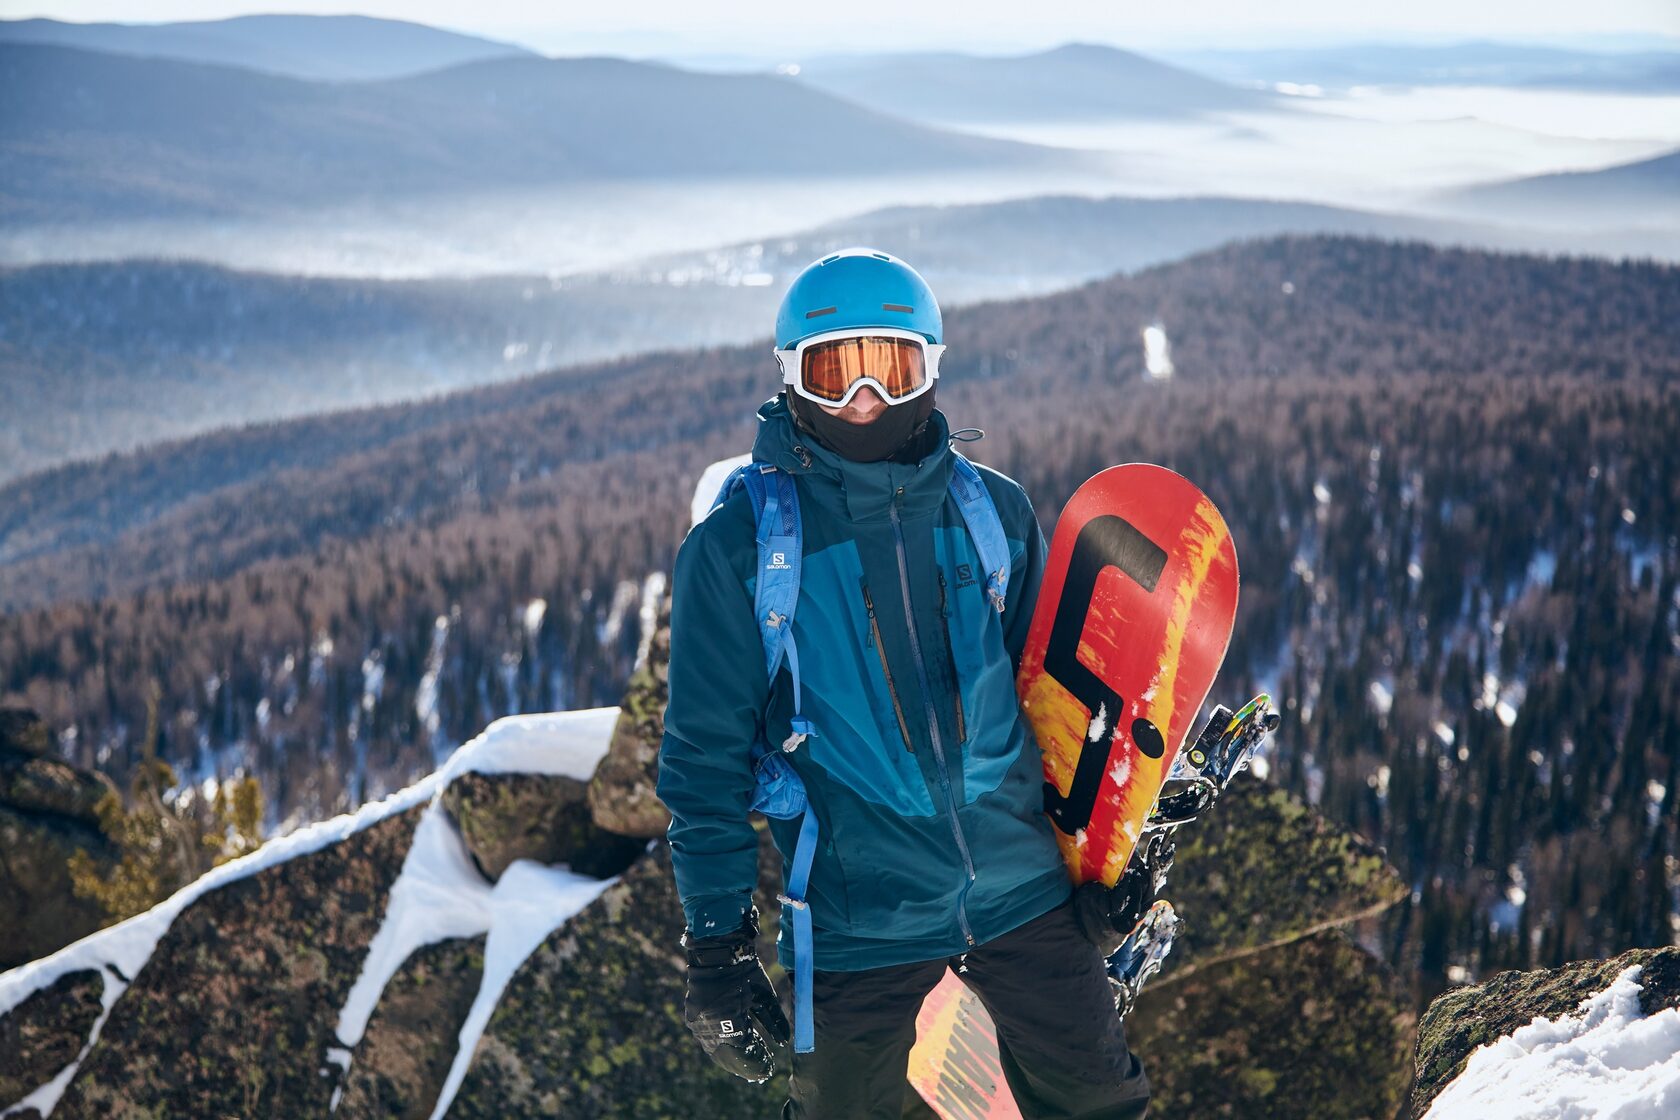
[(1134, 615)]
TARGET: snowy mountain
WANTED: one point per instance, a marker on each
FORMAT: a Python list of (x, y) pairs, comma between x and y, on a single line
[(330, 48)]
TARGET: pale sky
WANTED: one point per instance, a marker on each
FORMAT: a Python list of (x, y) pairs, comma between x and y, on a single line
[(679, 27)]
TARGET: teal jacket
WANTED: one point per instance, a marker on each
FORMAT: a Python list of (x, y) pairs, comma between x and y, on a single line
[(928, 792)]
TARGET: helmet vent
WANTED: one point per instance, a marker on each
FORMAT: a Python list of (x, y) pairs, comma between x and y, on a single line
[(831, 257), (898, 307), (883, 256), (821, 311)]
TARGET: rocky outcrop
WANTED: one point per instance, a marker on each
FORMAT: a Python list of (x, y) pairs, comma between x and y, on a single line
[(42, 1034), (1265, 1009), (622, 792), (405, 1055), (233, 1013), (1262, 868), (47, 814), (1310, 1029), (543, 817), (1462, 1020), (592, 1025)]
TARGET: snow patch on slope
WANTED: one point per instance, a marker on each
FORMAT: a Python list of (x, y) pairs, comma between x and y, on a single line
[(1606, 1061), (563, 743)]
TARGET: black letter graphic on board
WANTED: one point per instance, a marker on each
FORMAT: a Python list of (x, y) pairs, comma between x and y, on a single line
[(1106, 541)]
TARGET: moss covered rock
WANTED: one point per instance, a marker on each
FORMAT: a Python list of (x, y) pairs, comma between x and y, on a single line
[(47, 814), (622, 792), (592, 1024), (44, 1033), (1314, 1028), (1262, 867), (234, 1012), (542, 817), (1462, 1020), (405, 1055), (23, 732)]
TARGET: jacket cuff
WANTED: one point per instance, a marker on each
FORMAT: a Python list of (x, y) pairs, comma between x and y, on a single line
[(719, 915)]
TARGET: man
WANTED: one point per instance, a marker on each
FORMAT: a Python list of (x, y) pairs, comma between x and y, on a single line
[(921, 771)]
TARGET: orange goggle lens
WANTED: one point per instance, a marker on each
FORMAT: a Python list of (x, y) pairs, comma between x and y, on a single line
[(831, 368)]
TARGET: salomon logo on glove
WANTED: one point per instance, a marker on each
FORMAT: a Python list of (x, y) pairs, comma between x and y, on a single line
[(731, 1007)]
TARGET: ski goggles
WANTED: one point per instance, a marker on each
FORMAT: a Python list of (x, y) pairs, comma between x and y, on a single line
[(831, 368)]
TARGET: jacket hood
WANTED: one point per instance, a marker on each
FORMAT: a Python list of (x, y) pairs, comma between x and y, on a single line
[(861, 491)]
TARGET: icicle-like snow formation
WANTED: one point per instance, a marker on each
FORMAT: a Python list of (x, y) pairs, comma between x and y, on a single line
[(563, 743)]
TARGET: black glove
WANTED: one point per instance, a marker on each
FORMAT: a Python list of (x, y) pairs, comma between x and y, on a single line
[(1108, 915), (731, 1007)]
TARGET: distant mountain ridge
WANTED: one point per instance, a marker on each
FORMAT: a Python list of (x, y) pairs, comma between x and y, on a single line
[(90, 135), (1074, 82), (146, 350), (1628, 195), (332, 48), (1472, 63)]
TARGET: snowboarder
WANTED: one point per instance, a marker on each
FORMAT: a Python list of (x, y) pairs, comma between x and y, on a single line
[(898, 714)]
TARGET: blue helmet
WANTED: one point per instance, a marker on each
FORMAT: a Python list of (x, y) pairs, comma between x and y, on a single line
[(857, 288)]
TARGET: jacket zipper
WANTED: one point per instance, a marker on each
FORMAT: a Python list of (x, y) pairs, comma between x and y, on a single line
[(932, 720), (951, 663), (886, 670)]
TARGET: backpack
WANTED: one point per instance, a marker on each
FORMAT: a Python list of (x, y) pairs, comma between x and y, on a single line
[(779, 792)]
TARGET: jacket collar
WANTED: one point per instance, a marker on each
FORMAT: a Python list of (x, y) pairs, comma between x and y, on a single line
[(858, 491)]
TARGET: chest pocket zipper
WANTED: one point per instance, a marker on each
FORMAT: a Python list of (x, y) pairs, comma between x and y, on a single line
[(886, 670), (951, 661)]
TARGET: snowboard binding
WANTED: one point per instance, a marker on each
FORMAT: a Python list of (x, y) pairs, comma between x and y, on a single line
[(1143, 952), (1200, 774), (1201, 771)]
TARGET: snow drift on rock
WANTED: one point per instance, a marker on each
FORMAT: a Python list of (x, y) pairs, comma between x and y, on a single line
[(1606, 1062), (557, 743)]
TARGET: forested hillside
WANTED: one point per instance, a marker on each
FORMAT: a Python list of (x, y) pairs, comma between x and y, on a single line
[(1452, 478)]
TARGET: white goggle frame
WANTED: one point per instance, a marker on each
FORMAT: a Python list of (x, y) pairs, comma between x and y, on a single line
[(792, 361)]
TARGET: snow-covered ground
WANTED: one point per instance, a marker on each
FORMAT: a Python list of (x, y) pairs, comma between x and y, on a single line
[(1608, 1061), (439, 893)]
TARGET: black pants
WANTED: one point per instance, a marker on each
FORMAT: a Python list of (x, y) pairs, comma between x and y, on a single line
[(1063, 1048)]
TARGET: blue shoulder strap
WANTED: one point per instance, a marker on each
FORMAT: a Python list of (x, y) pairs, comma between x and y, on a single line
[(779, 791), (984, 526), (780, 552)]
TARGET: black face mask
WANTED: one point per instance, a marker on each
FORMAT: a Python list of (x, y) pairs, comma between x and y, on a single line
[(893, 431)]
